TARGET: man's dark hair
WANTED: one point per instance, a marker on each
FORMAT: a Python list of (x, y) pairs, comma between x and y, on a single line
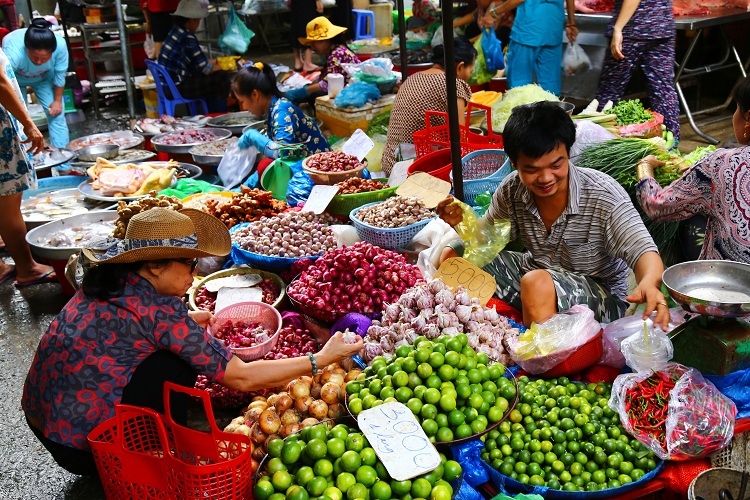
[(742, 94), (536, 129)]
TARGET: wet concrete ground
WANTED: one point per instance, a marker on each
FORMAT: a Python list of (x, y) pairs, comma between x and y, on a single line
[(27, 470)]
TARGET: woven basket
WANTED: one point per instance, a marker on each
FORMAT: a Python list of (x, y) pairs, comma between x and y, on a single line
[(232, 272), (391, 239), (345, 203), (735, 456), (331, 178)]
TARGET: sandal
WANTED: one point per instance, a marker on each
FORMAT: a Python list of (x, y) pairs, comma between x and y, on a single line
[(48, 277)]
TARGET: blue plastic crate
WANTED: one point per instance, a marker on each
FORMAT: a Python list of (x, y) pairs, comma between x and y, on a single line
[(386, 238)]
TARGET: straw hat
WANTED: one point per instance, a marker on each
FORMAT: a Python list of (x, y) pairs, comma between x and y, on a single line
[(161, 233), (320, 28), (192, 9)]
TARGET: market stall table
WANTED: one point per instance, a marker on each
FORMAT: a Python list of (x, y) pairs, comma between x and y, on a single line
[(726, 59)]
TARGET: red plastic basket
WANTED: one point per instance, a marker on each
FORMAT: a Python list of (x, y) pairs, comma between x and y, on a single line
[(581, 358), (437, 164), (436, 137), (142, 454)]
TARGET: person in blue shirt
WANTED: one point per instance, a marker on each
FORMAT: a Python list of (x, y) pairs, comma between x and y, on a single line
[(535, 48), (255, 89), (40, 61)]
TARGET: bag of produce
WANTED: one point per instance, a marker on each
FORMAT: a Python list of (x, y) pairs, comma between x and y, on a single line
[(675, 412), (546, 345), (493, 50), (236, 38), (575, 60), (481, 74), (482, 239)]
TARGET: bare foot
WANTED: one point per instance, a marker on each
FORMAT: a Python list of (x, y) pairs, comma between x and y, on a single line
[(311, 68), (37, 272), (6, 272)]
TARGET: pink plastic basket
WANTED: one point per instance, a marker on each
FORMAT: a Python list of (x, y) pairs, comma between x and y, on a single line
[(267, 316)]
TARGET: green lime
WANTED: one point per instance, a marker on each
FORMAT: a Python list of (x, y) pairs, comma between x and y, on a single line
[(351, 461), (323, 467), (315, 449), (401, 488), (357, 490), (436, 360), (421, 488), (336, 447), (263, 490), (276, 464), (444, 434), (432, 396), (344, 481), (274, 447), (446, 372), (304, 475), (281, 480), (333, 493), (355, 442), (381, 491), (366, 475)]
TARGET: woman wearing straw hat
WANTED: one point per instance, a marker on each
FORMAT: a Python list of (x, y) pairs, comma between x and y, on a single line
[(327, 40), (194, 74), (126, 332)]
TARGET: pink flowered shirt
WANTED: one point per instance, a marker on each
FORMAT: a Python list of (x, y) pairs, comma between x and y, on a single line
[(426, 10), (92, 349), (334, 64), (718, 186)]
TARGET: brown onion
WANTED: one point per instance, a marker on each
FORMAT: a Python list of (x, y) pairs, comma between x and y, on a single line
[(284, 402), (319, 409), (308, 422), (258, 398), (335, 410), (298, 389), (258, 404), (272, 399), (352, 375), (336, 378), (288, 430), (253, 414), (302, 405), (270, 438), (257, 435), (307, 380), (315, 390), (259, 453), (269, 422), (330, 393), (290, 417)]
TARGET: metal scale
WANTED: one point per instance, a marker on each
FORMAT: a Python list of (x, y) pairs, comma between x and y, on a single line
[(718, 341)]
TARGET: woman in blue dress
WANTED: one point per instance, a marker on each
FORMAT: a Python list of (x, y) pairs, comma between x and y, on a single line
[(40, 61), (255, 89), (16, 176)]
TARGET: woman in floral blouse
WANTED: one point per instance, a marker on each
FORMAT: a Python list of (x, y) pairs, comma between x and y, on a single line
[(327, 40), (718, 187), (255, 89)]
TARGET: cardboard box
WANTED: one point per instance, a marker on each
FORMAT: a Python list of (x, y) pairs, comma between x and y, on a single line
[(344, 122), (383, 19)]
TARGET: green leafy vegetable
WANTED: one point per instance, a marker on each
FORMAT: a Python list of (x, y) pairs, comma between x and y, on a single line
[(517, 96), (618, 157), (630, 112)]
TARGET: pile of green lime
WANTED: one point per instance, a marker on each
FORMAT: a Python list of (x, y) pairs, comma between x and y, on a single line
[(446, 384), (338, 463), (565, 436)]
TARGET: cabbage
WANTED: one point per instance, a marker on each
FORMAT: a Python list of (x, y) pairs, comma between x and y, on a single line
[(517, 96)]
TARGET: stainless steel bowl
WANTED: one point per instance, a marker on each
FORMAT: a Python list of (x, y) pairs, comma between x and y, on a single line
[(91, 153), (63, 253), (219, 133), (259, 126), (718, 288), (568, 107), (234, 122)]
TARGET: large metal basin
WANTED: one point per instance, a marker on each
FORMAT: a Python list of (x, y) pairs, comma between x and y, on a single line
[(719, 288)]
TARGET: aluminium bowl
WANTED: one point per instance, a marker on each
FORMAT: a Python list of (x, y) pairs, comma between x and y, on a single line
[(719, 288), (91, 153)]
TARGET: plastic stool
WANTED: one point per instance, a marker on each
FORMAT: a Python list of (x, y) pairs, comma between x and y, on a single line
[(361, 18)]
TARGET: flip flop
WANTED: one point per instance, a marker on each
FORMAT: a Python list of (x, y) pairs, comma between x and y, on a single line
[(10, 275), (48, 277)]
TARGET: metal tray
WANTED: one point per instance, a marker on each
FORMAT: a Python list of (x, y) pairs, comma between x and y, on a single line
[(245, 117), (125, 157), (220, 133), (59, 195), (205, 159), (64, 253), (48, 162), (719, 288), (135, 141)]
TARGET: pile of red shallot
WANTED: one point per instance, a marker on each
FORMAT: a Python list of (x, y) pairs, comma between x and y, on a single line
[(206, 301), (360, 278), (238, 334), (332, 161), (293, 342), (433, 309)]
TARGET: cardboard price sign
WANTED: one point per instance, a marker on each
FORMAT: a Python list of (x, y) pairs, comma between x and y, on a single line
[(319, 199), (460, 272), (398, 440), (359, 145), (427, 188)]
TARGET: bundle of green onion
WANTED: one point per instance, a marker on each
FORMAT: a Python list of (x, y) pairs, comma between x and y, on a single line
[(618, 157)]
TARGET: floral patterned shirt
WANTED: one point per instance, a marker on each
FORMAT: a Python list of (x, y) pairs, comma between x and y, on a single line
[(335, 64), (426, 10), (718, 186), (504, 19), (287, 124), (16, 171), (92, 349)]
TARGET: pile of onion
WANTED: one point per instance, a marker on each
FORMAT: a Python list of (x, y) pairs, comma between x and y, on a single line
[(360, 278)]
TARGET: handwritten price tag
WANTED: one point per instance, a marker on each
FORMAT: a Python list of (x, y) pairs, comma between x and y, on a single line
[(319, 199), (460, 272), (398, 441), (359, 144), (427, 188)]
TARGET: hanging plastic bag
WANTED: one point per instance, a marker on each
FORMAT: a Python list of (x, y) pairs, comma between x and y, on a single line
[(236, 38), (299, 187), (493, 50), (437, 38), (575, 60), (483, 240), (149, 47), (675, 412), (236, 165), (546, 345), (480, 74)]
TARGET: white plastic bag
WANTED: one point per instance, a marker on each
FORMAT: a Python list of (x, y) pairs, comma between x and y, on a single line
[(236, 165), (430, 242), (546, 345), (588, 133), (150, 47), (575, 60)]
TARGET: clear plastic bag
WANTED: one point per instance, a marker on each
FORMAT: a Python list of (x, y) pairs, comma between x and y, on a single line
[(575, 61), (149, 47), (236, 165), (236, 38), (546, 345), (648, 350), (588, 133), (483, 240), (700, 419)]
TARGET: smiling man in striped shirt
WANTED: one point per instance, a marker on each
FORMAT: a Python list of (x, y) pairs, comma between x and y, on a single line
[(581, 231)]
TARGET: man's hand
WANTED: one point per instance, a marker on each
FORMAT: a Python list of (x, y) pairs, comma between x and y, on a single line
[(35, 139), (654, 300), (319, 6), (572, 32), (55, 108), (616, 44), (450, 212), (203, 318)]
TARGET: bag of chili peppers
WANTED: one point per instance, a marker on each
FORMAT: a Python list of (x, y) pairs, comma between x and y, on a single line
[(674, 411)]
